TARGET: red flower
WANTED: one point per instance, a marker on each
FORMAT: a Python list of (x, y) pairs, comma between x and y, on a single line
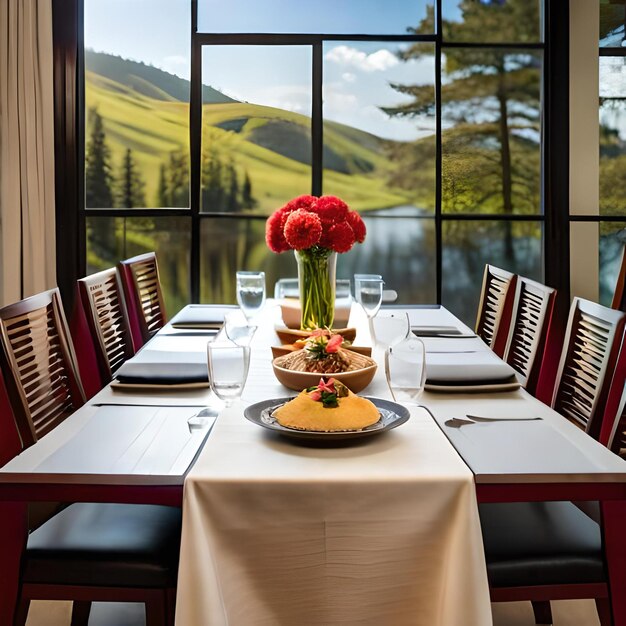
[(274, 235), (301, 202), (331, 209), (334, 343), (358, 226), (340, 237), (303, 229)]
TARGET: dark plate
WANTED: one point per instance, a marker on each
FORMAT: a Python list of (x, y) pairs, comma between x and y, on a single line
[(391, 415)]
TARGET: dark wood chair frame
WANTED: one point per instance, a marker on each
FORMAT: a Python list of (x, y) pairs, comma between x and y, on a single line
[(159, 603), (581, 346), (143, 327), (619, 299), (529, 330), (495, 332), (102, 321)]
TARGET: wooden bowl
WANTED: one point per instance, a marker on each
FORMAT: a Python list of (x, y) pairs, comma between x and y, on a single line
[(290, 347), (355, 381), (287, 335)]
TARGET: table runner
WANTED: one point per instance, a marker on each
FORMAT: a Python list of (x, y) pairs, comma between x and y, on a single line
[(382, 532)]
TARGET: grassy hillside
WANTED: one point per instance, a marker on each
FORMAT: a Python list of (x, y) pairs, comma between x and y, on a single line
[(141, 110)]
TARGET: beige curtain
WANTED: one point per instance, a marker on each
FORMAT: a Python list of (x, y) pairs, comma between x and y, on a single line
[(27, 252)]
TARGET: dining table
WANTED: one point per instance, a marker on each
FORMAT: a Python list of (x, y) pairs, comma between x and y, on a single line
[(377, 530)]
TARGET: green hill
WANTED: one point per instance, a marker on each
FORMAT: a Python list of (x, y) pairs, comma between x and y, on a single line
[(146, 110), (145, 79)]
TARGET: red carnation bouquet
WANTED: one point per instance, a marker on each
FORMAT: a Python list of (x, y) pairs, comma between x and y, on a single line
[(315, 228)]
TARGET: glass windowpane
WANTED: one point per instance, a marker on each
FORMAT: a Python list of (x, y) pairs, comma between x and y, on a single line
[(379, 147), (492, 21), (111, 239), (612, 237), (469, 245), (491, 137), (360, 17), (612, 20), (256, 143), (137, 103)]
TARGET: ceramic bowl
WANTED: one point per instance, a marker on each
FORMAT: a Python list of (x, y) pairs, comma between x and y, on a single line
[(355, 381)]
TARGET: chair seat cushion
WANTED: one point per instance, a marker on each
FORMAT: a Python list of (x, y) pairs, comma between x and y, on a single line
[(540, 543), (117, 545)]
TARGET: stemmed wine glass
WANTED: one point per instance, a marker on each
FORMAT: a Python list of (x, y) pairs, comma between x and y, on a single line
[(391, 327), (368, 290), (405, 367), (228, 369), (250, 292)]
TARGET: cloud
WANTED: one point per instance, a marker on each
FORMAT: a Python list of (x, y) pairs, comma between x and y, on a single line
[(349, 77), (351, 57)]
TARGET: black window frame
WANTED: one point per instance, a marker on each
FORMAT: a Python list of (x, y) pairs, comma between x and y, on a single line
[(70, 139)]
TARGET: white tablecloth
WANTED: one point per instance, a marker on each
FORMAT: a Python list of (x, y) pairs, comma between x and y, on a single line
[(385, 532)]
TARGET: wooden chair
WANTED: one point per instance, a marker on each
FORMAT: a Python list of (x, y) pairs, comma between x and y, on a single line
[(144, 299), (102, 300), (613, 431), (495, 308), (39, 364), (592, 340), (532, 312), (87, 552)]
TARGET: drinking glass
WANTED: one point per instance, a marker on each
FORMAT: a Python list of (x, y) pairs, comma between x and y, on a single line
[(405, 367), (391, 327), (250, 292), (228, 369), (237, 329), (369, 293)]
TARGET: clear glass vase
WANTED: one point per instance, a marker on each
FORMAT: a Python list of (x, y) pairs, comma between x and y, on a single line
[(316, 280)]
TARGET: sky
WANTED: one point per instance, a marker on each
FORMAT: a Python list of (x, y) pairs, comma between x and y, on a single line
[(356, 74)]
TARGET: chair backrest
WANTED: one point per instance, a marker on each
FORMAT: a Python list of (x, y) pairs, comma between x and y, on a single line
[(592, 341), (619, 295), (38, 364), (532, 311), (105, 310), (144, 299), (495, 307)]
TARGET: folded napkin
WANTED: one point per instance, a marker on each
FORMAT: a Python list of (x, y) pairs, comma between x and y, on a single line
[(439, 331), (201, 316), (479, 371), (134, 373)]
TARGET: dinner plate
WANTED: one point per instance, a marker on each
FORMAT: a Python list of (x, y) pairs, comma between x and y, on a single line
[(391, 416)]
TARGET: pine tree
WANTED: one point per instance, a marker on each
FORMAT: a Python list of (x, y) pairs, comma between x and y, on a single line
[(178, 183), (163, 196), (98, 175), (130, 188), (232, 188), (248, 201), (213, 192)]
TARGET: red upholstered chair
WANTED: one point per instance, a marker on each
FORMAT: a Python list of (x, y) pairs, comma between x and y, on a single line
[(106, 319), (495, 308), (144, 298), (86, 552), (557, 552), (532, 312)]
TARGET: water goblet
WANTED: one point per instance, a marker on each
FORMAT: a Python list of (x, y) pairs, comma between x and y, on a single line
[(250, 292), (405, 367), (228, 369), (390, 327), (368, 291), (237, 329)]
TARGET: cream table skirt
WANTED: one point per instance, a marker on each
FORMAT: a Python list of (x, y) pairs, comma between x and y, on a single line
[(385, 532)]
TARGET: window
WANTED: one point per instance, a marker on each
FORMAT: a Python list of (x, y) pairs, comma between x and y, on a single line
[(612, 118), (429, 126)]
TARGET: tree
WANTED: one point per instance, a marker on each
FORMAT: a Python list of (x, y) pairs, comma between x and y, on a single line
[(490, 111), (163, 196), (248, 202), (213, 192), (98, 175), (130, 185), (178, 182), (231, 185)]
